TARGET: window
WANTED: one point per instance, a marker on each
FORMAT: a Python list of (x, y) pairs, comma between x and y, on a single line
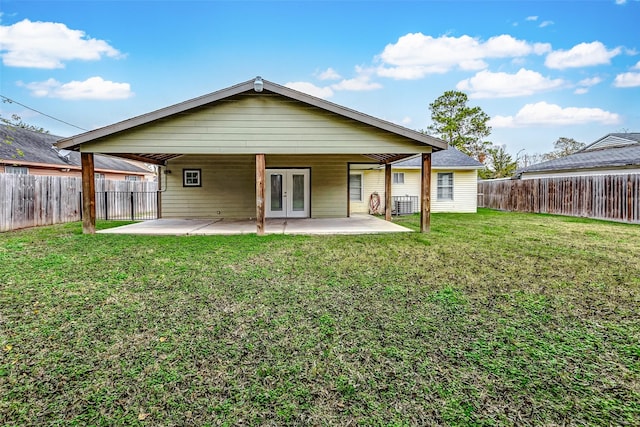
[(445, 186), (18, 170), (132, 178), (355, 187), (98, 175), (398, 177), (191, 178)]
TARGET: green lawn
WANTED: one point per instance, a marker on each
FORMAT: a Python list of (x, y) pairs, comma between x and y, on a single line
[(491, 319)]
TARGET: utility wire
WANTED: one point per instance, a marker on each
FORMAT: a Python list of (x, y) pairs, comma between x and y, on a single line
[(11, 101)]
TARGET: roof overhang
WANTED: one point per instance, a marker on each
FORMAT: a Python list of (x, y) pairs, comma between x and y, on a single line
[(75, 142)]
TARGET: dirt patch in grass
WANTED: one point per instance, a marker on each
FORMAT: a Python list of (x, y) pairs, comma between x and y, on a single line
[(491, 319)]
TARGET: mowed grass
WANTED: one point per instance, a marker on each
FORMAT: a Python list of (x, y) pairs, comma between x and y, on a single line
[(491, 319)]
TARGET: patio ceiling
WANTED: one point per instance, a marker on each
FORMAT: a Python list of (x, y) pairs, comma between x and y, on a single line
[(162, 158)]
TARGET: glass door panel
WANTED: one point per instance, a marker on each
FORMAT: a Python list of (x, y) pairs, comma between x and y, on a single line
[(276, 193), (298, 192)]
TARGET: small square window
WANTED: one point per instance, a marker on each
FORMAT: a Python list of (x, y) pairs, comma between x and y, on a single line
[(191, 178), (398, 177)]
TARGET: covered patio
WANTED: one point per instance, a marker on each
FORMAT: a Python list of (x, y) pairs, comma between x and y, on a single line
[(256, 151), (356, 224)]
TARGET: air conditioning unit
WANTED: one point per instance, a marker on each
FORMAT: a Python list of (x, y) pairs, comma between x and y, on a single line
[(403, 207)]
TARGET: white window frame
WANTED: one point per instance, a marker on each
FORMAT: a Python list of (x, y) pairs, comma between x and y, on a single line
[(192, 177), (398, 177), (17, 170), (98, 175), (361, 175), (441, 186), (132, 178)]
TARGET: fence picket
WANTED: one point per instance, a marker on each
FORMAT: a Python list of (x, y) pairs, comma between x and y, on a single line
[(612, 197), (32, 200)]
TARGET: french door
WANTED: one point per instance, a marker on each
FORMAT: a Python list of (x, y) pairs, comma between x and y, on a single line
[(287, 193)]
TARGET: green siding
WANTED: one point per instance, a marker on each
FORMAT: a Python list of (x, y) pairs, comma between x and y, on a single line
[(249, 124), (228, 185)]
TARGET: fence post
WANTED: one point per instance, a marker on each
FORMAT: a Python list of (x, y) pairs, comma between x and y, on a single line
[(106, 206), (132, 208), (80, 204)]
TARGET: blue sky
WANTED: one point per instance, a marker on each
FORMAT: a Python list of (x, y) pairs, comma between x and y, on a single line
[(540, 69)]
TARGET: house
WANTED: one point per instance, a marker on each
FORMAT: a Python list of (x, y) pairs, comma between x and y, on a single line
[(23, 151), (254, 150), (454, 176), (613, 154)]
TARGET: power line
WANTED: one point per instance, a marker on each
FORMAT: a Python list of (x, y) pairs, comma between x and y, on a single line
[(11, 101)]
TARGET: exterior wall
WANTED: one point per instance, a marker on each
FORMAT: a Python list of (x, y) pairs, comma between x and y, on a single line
[(582, 172), (465, 192), (256, 123), (465, 189), (372, 181), (228, 185)]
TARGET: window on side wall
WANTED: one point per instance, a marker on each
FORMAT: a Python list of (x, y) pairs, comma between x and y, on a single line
[(445, 186), (18, 170), (398, 177), (191, 178), (355, 187), (99, 175), (132, 178)]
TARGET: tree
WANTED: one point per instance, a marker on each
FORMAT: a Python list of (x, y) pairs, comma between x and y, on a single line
[(500, 164), (563, 147), (530, 159), (463, 127), (16, 121)]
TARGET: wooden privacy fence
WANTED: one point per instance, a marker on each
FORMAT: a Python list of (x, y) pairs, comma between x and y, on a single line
[(33, 200), (610, 197)]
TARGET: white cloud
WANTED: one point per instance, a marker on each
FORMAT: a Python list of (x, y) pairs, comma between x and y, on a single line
[(546, 114), (48, 45), (406, 121), (585, 84), (636, 67), (545, 24), (92, 88), (581, 55), (486, 84), (531, 18), (361, 82), (627, 80), (311, 89), (592, 81), (329, 74), (621, 1), (415, 55)]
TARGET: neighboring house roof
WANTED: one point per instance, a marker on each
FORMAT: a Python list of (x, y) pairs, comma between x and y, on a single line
[(450, 158), (623, 155), (73, 143), (614, 140), (20, 146)]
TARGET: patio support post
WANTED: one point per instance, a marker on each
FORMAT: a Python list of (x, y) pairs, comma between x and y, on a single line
[(260, 186), (425, 194), (88, 194), (387, 191)]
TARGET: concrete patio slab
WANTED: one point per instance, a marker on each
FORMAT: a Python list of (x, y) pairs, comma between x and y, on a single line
[(356, 224)]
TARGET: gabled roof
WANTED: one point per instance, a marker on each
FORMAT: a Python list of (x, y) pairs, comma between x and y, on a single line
[(614, 140), (74, 142), (450, 158), (22, 146), (615, 157)]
